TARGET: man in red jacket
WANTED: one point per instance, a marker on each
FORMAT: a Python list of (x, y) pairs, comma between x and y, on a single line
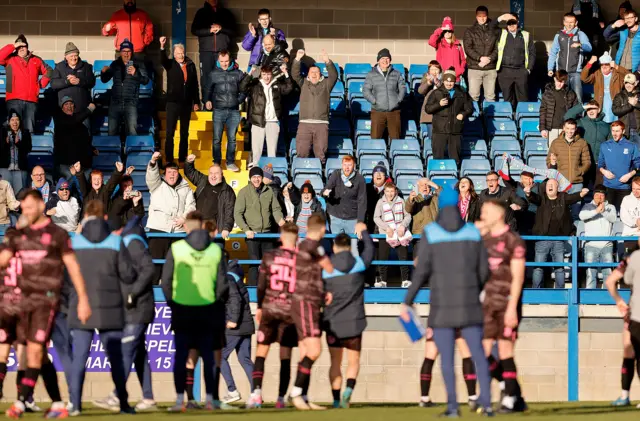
[(132, 23), (23, 79)]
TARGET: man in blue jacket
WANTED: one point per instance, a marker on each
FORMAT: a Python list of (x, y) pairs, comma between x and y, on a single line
[(106, 266), (240, 328), (567, 52), (455, 293), (344, 318), (625, 30), (618, 162)]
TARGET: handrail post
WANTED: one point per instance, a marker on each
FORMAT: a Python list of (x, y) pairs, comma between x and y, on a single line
[(197, 381), (573, 326)]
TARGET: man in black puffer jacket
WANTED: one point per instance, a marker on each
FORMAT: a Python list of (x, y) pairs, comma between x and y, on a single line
[(240, 328), (450, 106), (557, 99), (274, 55), (72, 141), (480, 45), (223, 95), (266, 109), (74, 77), (127, 74), (106, 265)]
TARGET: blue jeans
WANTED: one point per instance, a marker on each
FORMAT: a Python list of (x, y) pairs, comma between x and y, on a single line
[(575, 208), (135, 352), (348, 226), (61, 338), (445, 339), (555, 248), (231, 119), (27, 111), (17, 179), (597, 255), (242, 346), (112, 342), (120, 111), (575, 84)]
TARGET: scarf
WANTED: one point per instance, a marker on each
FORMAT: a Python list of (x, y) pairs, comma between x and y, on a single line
[(303, 217), (13, 140), (463, 206), (393, 215), (347, 180), (44, 190), (594, 4), (513, 163)]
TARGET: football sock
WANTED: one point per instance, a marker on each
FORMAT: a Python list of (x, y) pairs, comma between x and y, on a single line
[(302, 379), (28, 383), (495, 368), (469, 374), (627, 372), (351, 383), (50, 379), (510, 377), (189, 384), (425, 377), (258, 373), (336, 394), (285, 377)]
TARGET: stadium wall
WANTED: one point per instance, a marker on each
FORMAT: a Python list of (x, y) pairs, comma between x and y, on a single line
[(391, 364), (352, 30)]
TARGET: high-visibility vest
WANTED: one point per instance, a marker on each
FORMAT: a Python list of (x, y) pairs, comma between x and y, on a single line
[(503, 42), (195, 273)]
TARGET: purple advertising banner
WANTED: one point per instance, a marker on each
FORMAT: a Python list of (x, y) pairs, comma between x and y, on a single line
[(159, 342)]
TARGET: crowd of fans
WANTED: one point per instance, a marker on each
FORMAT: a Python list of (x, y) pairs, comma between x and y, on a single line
[(594, 146)]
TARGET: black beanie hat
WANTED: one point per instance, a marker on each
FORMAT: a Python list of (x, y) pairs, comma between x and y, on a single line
[(256, 171), (384, 53)]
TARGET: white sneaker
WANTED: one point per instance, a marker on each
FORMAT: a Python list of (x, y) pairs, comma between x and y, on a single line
[(232, 397), (110, 403), (232, 167), (31, 406), (380, 284), (406, 284), (146, 405)]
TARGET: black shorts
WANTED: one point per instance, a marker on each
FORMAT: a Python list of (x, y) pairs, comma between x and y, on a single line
[(353, 343), (307, 317), (9, 332), (273, 330)]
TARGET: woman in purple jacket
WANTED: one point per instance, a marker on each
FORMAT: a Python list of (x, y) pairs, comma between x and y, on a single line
[(253, 39)]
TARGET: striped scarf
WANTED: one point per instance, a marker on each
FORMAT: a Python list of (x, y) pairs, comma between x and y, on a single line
[(13, 139), (303, 217), (463, 206), (393, 212), (44, 190)]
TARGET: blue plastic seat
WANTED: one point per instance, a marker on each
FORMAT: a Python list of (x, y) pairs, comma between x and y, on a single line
[(339, 146), (43, 159), (425, 130), (331, 165), (278, 163), (502, 145), (473, 128), (474, 148), (476, 111), (146, 90), (3, 84), (354, 89), (100, 122), (296, 110), (535, 146), (501, 128), (106, 162), (445, 181), (441, 167), (408, 166), (369, 162), (143, 143), (138, 160), (529, 126), (479, 182), (404, 147), (339, 127), (427, 150), (102, 91), (356, 71), (304, 166), (475, 167), (416, 71), (363, 128), (314, 179), (106, 144), (338, 90), (406, 184), (497, 110), (528, 109), (42, 143), (145, 125), (337, 107), (323, 68), (360, 108), (371, 147), (43, 123), (400, 67), (410, 129), (139, 180), (146, 200), (537, 162)]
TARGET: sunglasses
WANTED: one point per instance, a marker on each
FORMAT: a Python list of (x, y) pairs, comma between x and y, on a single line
[(63, 189)]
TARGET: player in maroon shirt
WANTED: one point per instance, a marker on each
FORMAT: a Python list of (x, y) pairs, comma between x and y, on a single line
[(628, 353), (502, 303), (44, 250), (306, 305)]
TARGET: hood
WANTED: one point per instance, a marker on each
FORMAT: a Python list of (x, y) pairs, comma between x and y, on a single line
[(551, 86), (600, 117), (95, 230), (232, 66), (178, 182), (134, 227), (343, 261), (236, 270), (199, 239), (449, 218), (571, 32)]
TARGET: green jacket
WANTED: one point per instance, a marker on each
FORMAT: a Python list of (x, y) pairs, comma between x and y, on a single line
[(253, 212), (595, 132)]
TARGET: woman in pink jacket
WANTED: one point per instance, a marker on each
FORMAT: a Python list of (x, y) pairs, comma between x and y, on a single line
[(449, 52)]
